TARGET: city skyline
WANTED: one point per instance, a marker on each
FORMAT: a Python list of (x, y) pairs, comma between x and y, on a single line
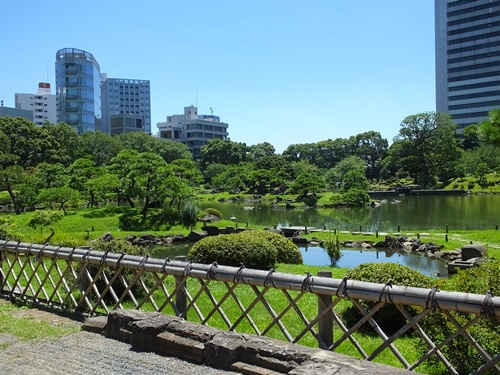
[(276, 72)]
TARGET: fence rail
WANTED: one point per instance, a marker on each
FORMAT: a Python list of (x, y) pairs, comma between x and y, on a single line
[(259, 302)]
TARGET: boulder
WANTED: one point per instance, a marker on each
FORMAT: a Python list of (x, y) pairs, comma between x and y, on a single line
[(211, 230), (300, 240), (139, 242), (196, 236), (179, 238), (209, 218), (148, 237), (474, 251), (107, 237)]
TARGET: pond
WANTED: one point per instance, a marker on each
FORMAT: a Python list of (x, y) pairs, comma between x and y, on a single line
[(412, 213), (316, 256)]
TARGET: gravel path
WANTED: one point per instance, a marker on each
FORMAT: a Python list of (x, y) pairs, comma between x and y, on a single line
[(90, 353)]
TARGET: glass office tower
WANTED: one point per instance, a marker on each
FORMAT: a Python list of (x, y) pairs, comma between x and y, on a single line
[(78, 90), (467, 59)]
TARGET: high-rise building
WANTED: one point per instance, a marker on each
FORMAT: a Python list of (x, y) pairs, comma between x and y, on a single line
[(78, 90), (126, 105), (42, 104), (467, 59), (192, 129)]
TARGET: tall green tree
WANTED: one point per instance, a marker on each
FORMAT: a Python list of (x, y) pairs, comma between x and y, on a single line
[(80, 172), (100, 147), (261, 150), (335, 175), (371, 148), (150, 172), (489, 130), (223, 151), (30, 144), (10, 178), (122, 166), (66, 141), (426, 148), (143, 142)]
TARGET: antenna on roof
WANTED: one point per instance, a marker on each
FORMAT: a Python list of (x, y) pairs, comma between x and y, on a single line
[(197, 97), (211, 111)]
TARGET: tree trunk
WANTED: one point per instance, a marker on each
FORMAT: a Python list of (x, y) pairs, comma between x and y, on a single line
[(17, 209), (64, 209), (47, 240), (145, 208), (130, 202)]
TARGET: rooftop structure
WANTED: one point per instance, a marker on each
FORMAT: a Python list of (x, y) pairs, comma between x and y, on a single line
[(42, 104), (192, 129)]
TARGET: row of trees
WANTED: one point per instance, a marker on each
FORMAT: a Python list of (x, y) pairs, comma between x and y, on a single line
[(52, 165)]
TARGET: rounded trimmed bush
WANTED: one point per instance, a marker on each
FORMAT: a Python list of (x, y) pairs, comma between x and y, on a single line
[(288, 252), (233, 249), (381, 273), (388, 317), (213, 211)]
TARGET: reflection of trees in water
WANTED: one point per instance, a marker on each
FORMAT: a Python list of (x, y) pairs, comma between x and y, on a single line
[(415, 212), (170, 250)]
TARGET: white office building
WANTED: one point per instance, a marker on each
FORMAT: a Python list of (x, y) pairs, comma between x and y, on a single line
[(125, 104), (42, 104), (192, 129)]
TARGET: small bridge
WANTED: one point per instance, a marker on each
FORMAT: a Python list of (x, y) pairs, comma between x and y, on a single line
[(265, 303)]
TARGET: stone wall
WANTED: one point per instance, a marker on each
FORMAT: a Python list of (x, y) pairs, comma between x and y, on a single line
[(249, 354)]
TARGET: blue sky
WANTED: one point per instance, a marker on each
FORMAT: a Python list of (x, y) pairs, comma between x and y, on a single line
[(283, 72)]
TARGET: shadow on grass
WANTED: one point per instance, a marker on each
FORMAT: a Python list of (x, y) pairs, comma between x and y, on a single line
[(105, 212)]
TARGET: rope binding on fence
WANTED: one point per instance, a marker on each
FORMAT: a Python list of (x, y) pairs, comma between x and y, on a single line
[(269, 280), (431, 300), (384, 292), (238, 278), (306, 283), (211, 271)]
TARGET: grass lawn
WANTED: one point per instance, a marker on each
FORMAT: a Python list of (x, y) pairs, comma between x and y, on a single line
[(32, 324)]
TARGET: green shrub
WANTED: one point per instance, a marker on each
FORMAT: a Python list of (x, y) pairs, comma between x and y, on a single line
[(381, 273), (156, 219), (486, 332), (332, 248), (388, 317), (119, 246), (213, 211), (356, 198), (288, 252), (7, 229), (233, 249), (45, 218)]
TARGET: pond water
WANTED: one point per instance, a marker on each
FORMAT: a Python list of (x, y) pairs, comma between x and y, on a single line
[(316, 256), (412, 213)]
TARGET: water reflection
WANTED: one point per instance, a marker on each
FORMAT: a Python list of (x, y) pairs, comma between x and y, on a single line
[(413, 213), (316, 256)]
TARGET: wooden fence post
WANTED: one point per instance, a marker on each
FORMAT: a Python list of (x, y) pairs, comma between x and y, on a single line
[(180, 296), (325, 323)]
